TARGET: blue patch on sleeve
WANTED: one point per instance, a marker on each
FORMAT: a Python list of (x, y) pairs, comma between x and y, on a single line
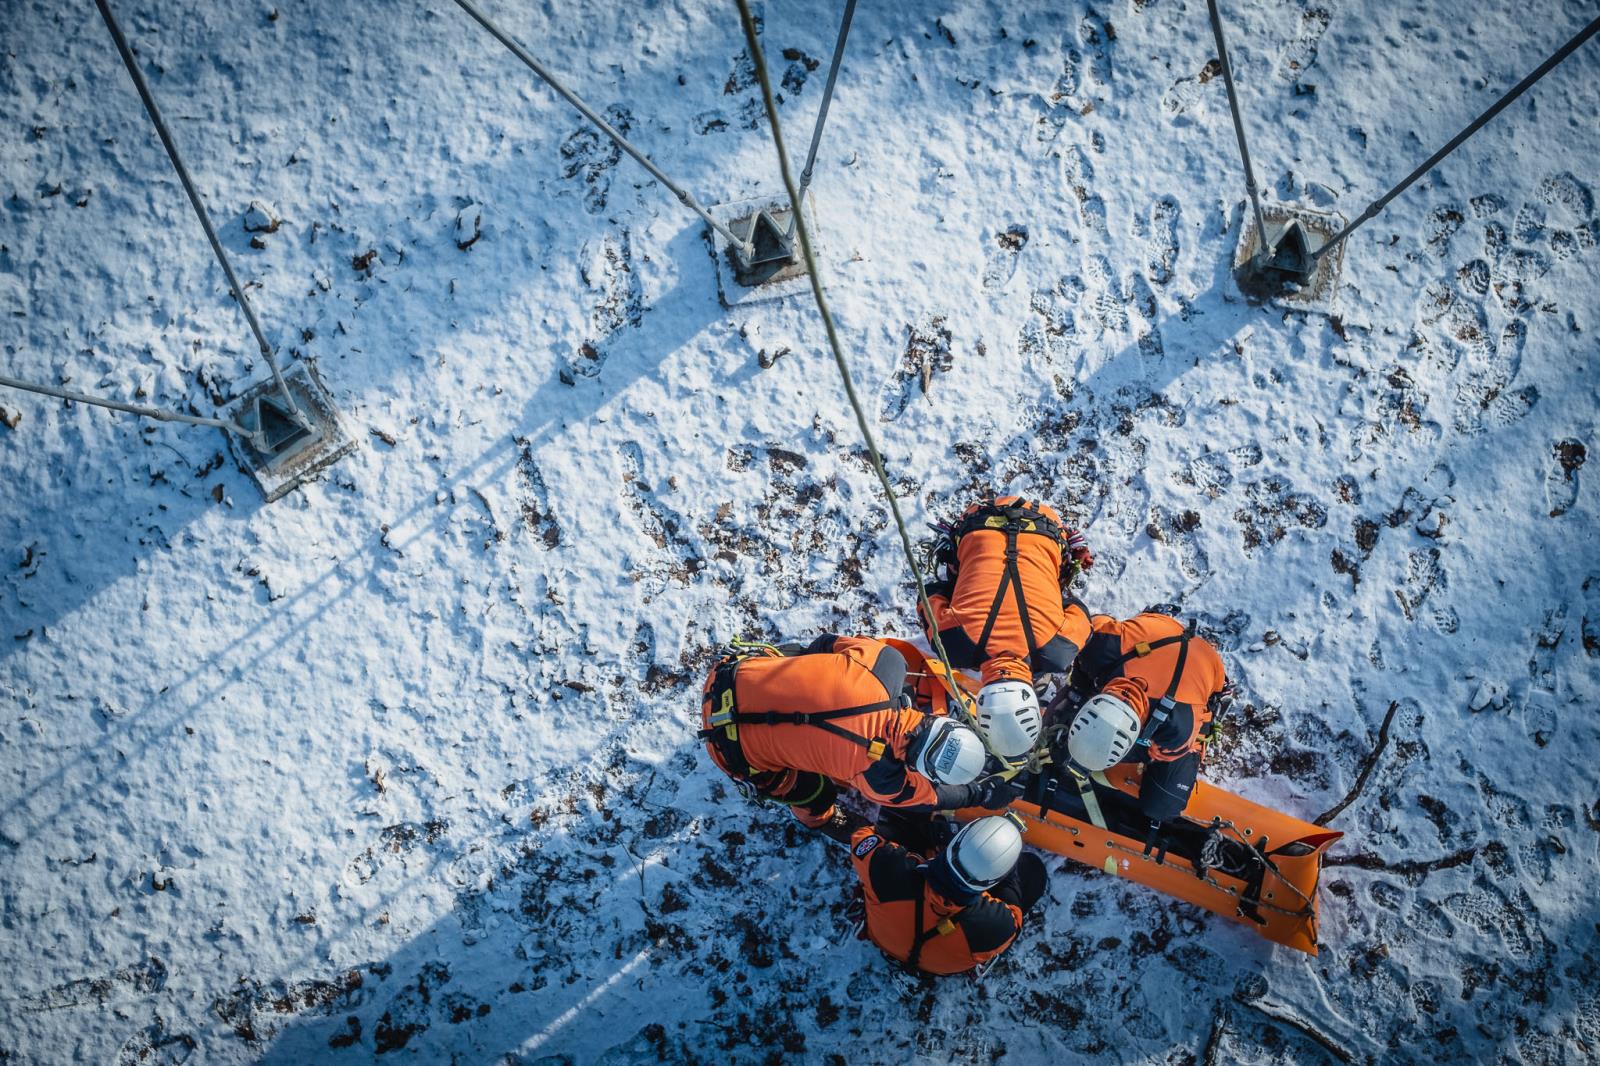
[(864, 848)]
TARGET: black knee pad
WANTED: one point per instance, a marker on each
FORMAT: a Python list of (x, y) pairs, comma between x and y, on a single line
[(1032, 880)]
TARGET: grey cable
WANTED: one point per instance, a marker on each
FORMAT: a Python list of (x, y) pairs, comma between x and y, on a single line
[(1238, 126), (136, 409), (605, 127), (1455, 142), (199, 207), (822, 112), (833, 342)]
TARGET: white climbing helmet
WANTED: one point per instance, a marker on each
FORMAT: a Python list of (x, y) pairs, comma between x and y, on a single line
[(984, 851), (1103, 733), (1008, 717), (948, 753)]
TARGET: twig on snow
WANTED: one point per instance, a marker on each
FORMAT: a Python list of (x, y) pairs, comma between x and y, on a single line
[(1284, 1017), (639, 868), (1368, 861), (1366, 768), (1214, 1041), (1592, 818)]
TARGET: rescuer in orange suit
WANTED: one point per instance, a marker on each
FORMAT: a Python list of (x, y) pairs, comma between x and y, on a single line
[(1000, 607), (791, 723), (1153, 688), (948, 910)]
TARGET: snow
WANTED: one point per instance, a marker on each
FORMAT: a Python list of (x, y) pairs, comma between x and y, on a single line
[(402, 764)]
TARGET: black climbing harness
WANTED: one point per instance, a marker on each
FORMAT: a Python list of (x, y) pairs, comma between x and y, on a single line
[(1013, 520), (1160, 709)]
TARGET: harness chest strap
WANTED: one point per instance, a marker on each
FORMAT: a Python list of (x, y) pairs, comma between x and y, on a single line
[(944, 927), (1021, 516)]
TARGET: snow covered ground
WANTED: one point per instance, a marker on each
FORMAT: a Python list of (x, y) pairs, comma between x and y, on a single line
[(402, 764)]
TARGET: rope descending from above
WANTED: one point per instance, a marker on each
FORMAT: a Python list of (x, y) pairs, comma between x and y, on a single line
[(806, 250), (199, 207), (601, 124)]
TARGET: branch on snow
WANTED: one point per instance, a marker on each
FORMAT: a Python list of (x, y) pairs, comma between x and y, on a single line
[(1366, 768), (1369, 861), (1214, 1041), (1283, 1016)]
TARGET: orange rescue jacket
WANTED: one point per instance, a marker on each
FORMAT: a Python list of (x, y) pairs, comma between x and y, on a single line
[(1004, 610), (1178, 671), (913, 923), (863, 747)]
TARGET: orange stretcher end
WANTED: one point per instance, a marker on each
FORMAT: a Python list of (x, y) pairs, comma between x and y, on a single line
[(1285, 910), (1279, 902)]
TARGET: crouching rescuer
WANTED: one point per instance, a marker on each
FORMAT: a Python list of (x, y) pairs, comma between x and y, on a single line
[(1152, 689), (946, 911), (1000, 606), (790, 723)]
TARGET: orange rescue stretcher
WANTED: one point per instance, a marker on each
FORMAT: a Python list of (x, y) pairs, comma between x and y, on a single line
[(1231, 856)]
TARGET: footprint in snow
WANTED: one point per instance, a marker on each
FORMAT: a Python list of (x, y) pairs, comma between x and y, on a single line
[(1473, 278), (1077, 174), (662, 526), (1001, 261), (1539, 718), (587, 154), (1442, 224), (1161, 246), (1424, 574), (155, 1043), (533, 499), (1495, 241), (1546, 641), (1187, 94), (1561, 475), (1179, 530), (607, 269), (1485, 400), (1300, 53), (1528, 225), (1064, 103), (1572, 228), (1142, 298), (1105, 302), (927, 353), (1513, 273), (1591, 616), (1096, 38)]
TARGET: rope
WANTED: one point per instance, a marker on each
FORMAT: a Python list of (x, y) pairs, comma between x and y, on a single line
[(822, 113), (838, 351), (1455, 142), (1238, 128), (601, 124), (199, 208), (136, 409)]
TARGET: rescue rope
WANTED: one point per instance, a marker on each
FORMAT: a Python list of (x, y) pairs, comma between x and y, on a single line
[(683, 195), (807, 251), (822, 112), (1238, 128), (136, 409), (1455, 142), (199, 208)]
